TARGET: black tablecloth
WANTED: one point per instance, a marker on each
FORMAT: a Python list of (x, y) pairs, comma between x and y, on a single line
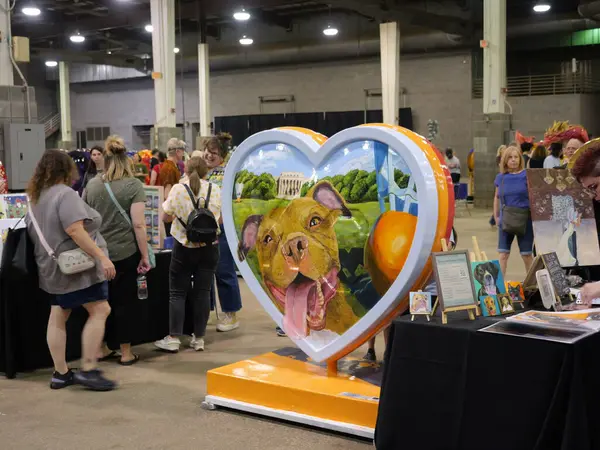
[(24, 311), (450, 387)]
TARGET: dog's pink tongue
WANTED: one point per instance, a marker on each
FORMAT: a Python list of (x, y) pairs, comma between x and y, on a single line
[(296, 307)]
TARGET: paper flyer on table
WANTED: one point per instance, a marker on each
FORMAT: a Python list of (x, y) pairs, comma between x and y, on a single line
[(588, 319)]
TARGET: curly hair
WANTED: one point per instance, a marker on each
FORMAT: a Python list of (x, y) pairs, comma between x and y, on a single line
[(117, 164), (588, 161), (220, 142), (54, 167)]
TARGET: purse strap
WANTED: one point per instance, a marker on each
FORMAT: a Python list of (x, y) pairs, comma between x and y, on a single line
[(117, 204), (502, 197), (38, 230)]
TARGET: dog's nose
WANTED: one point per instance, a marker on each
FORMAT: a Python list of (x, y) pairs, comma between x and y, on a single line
[(295, 248)]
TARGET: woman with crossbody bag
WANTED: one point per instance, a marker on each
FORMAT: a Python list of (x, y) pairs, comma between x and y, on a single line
[(511, 208), (117, 195), (73, 266), (195, 252)]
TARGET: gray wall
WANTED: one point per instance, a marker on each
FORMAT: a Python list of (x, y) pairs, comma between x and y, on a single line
[(533, 115), (438, 87)]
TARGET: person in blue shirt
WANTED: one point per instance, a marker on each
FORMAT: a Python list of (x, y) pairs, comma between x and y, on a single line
[(511, 190)]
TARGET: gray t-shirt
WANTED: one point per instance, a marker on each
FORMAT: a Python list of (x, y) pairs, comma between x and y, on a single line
[(119, 235), (58, 208)]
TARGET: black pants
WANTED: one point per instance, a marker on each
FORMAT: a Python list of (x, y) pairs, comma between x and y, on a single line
[(201, 264), (122, 297)]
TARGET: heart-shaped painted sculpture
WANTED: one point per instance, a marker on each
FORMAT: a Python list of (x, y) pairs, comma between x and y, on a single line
[(331, 235)]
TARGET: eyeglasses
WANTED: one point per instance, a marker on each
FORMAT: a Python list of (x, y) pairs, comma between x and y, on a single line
[(591, 190)]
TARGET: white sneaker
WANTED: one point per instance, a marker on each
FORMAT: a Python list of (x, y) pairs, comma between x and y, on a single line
[(228, 323), (197, 343), (169, 344)]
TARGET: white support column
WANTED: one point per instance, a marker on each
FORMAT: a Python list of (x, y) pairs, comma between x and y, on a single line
[(494, 56), (64, 92), (390, 71), (6, 68), (204, 89), (162, 13)]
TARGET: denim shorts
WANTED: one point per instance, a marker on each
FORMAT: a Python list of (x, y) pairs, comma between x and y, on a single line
[(94, 293), (525, 242)]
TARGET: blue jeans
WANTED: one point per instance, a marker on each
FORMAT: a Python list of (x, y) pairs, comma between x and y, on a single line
[(227, 281)]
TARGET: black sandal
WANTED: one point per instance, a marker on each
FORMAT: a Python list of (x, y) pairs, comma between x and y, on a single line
[(135, 359), (111, 355)]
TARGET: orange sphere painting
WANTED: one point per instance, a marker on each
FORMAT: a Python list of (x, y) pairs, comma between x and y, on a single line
[(388, 246)]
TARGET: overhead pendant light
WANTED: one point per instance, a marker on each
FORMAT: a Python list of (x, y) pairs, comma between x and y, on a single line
[(241, 15), (542, 7), (31, 10), (77, 38), (51, 64), (245, 40), (176, 49), (149, 28), (330, 31)]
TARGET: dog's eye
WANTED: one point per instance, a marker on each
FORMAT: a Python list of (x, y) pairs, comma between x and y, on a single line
[(315, 221), (267, 239)]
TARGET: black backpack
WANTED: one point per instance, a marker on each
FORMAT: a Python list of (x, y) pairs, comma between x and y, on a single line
[(201, 226)]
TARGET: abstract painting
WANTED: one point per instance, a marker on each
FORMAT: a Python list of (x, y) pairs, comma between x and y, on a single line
[(563, 217)]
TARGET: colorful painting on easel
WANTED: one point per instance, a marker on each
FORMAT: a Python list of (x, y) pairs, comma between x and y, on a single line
[(15, 206), (563, 217), (420, 303), (488, 278), (489, 305)]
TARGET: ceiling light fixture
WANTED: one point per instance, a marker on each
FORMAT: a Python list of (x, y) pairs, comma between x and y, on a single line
[(176, 49), (241, 15), (51, 64), (245, 40), (31, 10), (77, 38), (149, 28), (542, 7), (330, 31)]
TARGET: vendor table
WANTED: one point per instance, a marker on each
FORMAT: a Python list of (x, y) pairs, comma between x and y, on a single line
[(24, 311), (450, 387)]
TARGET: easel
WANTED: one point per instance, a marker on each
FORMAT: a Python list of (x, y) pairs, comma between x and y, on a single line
[(445, 312), (412, 317), (477, 256)]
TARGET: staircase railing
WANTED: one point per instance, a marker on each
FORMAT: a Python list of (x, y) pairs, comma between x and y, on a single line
[(51, 123), (545, 85)]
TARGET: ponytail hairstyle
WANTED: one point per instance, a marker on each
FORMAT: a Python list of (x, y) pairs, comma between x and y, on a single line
[(196, 170), (117, 164)]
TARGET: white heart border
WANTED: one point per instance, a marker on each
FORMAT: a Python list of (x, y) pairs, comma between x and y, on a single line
[(422, 173)]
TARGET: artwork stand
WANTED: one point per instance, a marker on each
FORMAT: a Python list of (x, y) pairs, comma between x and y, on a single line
[(341, 395), (428, 316)]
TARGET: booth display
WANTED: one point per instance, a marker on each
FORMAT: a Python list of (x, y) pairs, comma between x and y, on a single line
[(563, 217), (155, 228), (331, 237)]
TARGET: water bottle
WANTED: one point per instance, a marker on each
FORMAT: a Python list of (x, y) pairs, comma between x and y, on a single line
[(142, 287)]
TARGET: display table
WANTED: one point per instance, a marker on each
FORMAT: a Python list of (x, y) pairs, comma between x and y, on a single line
[(451, 387), (24, 311)]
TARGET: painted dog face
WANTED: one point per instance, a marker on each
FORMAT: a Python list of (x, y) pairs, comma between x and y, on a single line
[(487, 274), (298, 255)]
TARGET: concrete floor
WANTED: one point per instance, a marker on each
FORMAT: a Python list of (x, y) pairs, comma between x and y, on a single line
[(158, 404)]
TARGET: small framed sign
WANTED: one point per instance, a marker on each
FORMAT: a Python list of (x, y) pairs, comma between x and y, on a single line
[(456, 290), (420, 304)]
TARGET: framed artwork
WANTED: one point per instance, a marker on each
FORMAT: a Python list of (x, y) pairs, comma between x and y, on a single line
[(563, 217), (14, 206), (489, 305), (506, 304), (420, 303), (452, 272), (488, 278), (515, 290)]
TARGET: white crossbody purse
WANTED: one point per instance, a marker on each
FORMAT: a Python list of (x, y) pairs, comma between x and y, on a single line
[(69, 262)]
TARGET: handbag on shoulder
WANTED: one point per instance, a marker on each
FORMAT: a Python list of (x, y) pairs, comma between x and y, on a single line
[(69, 262), (514, 219)]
